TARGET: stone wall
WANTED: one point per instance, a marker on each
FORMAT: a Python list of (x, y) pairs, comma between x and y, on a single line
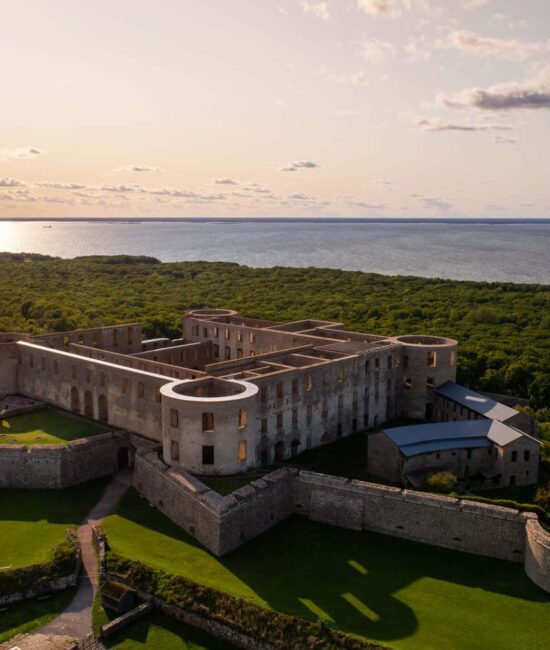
[(59, 466), (224, 523)]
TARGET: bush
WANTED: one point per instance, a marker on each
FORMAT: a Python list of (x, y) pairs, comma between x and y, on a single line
[(36, 577), (444, 482), (542, 497)]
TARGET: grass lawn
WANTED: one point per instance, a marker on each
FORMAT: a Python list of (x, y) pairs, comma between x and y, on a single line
[(48, 426), (344, 457), (159, 632), (31, 614), (32, 522), (402, 594), (227, 484)]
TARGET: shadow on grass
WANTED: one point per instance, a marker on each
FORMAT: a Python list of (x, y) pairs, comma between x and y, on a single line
[(159, 631), (31, 614), (353, 580), (67, 506)]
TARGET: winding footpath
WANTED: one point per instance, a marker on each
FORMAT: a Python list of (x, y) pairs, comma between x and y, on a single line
[(75, 622)]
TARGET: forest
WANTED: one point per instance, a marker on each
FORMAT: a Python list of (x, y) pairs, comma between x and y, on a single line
[(503, 329)]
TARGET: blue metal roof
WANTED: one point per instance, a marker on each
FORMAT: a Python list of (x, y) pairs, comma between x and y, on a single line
[(439, 436), (476, 402)]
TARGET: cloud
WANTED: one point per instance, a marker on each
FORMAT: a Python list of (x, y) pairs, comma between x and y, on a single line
[(353, 78), (384, 8), (504, 139), (11, 182), (508, 21), (137, 168), (532, 94), (375, 50), (436, 124), (366, 206), (474, 4), (300, 164), (60, 186), (27, 152), (436, 203), (225, 181), (122, 188), (318, 9), (488, 47)]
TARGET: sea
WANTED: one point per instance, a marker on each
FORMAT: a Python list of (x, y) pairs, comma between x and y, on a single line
[(509, 250)]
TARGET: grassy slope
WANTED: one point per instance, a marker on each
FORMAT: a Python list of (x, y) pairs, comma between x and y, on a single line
[(32, 522), (158, 632), (405, 595), (47, 426), (31, 614)]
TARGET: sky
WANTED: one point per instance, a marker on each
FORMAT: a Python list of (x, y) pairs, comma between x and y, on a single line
[(352, 108)]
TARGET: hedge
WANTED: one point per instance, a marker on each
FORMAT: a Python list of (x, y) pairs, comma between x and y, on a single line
[(543, 514), (280, 630), (36, 577)]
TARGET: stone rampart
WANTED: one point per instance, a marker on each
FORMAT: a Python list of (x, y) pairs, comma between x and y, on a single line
[(537, 553), (59, 466), (222, 524)]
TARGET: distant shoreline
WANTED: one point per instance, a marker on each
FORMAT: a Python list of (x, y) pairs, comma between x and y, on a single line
[(218, 220)]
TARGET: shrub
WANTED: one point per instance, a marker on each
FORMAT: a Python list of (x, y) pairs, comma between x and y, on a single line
[(542, 497), (441, 482)]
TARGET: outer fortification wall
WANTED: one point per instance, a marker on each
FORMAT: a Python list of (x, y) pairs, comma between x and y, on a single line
[(537, 553), (59, 466), (224, 523)]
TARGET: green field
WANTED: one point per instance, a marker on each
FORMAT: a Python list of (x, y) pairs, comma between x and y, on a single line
[(402, 594), (31, 614), (32, 522), (159, 632), (48, 426)]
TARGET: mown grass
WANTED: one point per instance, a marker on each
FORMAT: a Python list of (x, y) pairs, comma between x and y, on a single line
[(32, 522), (399, 593), (31, 614), (159, 632), (48, 426)]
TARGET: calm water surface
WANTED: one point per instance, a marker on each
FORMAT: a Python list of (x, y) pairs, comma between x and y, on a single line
[(466, 251)]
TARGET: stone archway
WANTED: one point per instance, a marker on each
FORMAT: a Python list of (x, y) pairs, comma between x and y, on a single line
[(102, 408), (75, 399), (88, 404)]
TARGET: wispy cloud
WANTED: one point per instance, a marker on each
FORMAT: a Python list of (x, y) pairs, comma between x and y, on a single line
[(21, 152), (54, 185), (427, 123), (318, 9), (489, 47), (10, 182), (300, 164), (384, 8), (358, 78), (374, 50), (128, 169), (533, 94), (225, 181)]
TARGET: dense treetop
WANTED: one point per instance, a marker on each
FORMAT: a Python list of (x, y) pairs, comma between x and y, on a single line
[(503, 329)]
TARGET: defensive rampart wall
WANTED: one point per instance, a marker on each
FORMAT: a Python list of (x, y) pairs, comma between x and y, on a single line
[(59, 466), (224, 523)]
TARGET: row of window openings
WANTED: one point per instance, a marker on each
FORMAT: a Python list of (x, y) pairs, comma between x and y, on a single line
[(208, 452), (95, 343), (226, 334), (491, 450), (408, 383), (208, 419), (227, 352)]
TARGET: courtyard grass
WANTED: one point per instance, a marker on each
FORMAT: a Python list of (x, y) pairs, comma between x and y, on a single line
[(31, 614), (47, 426), (32, 522), (402, 594), (156, 632), (345, 457)]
